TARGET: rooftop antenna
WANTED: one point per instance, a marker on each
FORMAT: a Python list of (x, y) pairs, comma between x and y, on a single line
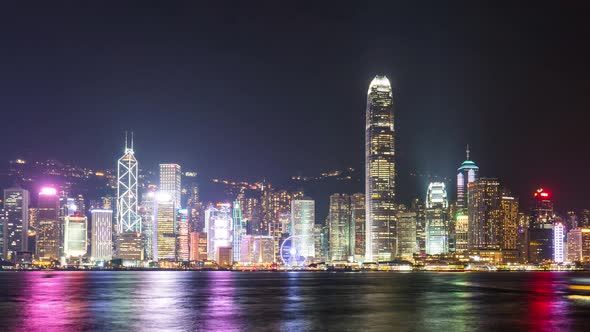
[(131, 140), (125, 140), (467, 151)]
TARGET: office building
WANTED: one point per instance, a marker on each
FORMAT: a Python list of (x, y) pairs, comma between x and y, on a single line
[(238, 230), (218, 221), (406, 223), (75, 235), (128, 220), (558, 248), (16, 209), (170, 177), (257, 249), (484, 230), (357, 209), (302, 224), (182, 237), (164, 242), (436, 214), (341, 228), (49, 225), (380, 230), (101, 247)]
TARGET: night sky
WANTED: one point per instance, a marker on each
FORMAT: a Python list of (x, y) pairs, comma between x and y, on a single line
[(269, 89)]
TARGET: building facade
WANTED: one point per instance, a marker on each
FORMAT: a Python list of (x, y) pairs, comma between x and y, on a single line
[(436, 214), (302, 224), (16, 208), (170, 182), (380, 229), (101, 246)]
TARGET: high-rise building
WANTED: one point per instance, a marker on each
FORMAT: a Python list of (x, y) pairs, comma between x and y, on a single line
[(198, 246), (75, 235), (2, 223), (302, 224), (406, 223), (257, 249), (541, 229), (164, 242), (508, 221), (49, 225), (218, 221), (418, 206), (238, 230), (380, 230), (182, 237), (461, 233), (466, 174), (16, 207), (341, 227), (437, 205), (558, 237), (148, 217), (484, 214), (170, 177), (128, 220), (101, 247), (578, 245), (357, 208)]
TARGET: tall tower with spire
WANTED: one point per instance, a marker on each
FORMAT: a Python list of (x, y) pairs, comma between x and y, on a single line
[(380, 222), (466, 173), (128, 220)]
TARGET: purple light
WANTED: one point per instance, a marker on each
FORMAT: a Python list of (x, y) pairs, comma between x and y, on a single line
[(48, 191)]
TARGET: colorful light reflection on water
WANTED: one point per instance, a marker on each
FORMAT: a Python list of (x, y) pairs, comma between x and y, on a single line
[(231, 301)]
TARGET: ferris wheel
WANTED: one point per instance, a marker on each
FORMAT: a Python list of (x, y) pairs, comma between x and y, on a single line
[(291, 253)]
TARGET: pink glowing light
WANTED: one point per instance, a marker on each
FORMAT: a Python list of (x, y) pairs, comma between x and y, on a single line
[(48, 191)]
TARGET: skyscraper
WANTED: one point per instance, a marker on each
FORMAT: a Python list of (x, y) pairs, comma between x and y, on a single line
[(218, 221), (239, 230), (182, 236), (75, 235), (128, 221), (484, 214), (541, 228), (357, 208), (170, 177), (437, 205), (16, 207), (341, 227), (558, 237), (407, 234), (101, 247), (302, 224), (466, 174), (49, 226), (380, 230), (164, 243)]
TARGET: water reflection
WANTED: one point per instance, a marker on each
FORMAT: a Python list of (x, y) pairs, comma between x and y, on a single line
[(229, 301)]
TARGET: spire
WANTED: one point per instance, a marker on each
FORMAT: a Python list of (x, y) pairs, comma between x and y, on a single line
[(131, 140), (125, 140), (467, 152)]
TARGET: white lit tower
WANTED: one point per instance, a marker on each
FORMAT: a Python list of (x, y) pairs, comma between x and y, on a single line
[(380, 230), (466, 174), (128, 220)]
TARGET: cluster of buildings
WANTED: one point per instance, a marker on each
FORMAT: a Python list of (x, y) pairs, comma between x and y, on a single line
[(163, 224)]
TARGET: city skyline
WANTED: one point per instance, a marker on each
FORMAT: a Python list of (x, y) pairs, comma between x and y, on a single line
[(443, 94)]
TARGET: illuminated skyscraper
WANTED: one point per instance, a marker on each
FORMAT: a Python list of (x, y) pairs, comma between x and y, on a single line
[(508, 221), (16, 207), (257, 249), (239, 230), (558, 237), (484, 214), (75, 235), (466, 174), (380, 230), (218, 221), (164, 243), (541, 229), (49, 226), (357, 208), (437, 205), (302, 224), (407, 234), (147, 213), (182, 237), (101, 247), (341, 227), (128, 220), (170, 176)]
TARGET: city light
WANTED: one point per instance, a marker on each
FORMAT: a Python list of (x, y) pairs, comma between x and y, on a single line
[(48, 191)]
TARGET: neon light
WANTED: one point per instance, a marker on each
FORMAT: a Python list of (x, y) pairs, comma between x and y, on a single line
[(544, 195), (48, 191)]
